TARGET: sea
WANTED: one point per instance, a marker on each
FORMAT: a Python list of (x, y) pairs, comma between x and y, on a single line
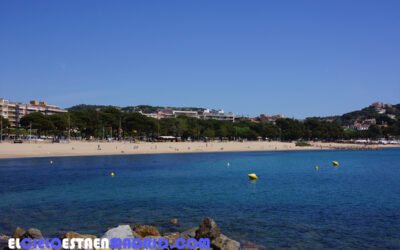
[(293, 204)]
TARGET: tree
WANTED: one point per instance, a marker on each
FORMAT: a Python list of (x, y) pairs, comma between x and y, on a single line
[(291, 129), (138, 124), (269, 130), (246, 130), (39, 122), (375, 132), (86, 121), (209, 132), (60, 122), (318, 129), (4, 122)]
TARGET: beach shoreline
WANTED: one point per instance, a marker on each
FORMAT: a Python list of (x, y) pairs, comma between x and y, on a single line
[(80, 148)]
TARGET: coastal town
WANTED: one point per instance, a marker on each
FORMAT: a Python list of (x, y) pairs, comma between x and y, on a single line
[(89, 130), (12, 113), (219, 125)]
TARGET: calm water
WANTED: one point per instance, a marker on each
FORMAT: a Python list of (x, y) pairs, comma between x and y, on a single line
[(354, 206)]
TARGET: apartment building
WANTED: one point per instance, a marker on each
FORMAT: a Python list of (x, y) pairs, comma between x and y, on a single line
[(205, 114), (220, 115), (8, 110), (14, 111)]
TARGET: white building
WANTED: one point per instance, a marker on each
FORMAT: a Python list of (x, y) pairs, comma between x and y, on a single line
[(218, 115), (205, 115), (14, 111)]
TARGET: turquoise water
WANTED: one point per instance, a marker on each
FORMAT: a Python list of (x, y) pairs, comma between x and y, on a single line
[(291, 205)]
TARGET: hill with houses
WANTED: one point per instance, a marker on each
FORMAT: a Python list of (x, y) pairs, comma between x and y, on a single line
[(378, 113)]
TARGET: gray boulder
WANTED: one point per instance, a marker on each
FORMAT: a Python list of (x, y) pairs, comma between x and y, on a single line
[(122, 231)]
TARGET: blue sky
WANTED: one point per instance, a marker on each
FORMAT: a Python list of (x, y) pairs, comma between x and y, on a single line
[(298, 58)]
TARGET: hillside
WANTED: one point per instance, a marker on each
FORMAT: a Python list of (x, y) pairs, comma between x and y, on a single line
[(384, 114)]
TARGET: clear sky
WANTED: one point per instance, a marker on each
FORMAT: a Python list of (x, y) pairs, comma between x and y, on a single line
[(298, 58)]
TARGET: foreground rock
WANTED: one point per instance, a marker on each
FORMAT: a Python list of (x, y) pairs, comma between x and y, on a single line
[(172, 237), (123, 231), (3, 241), (19, 233), (174, 221), (145, 230), (32, 233), (223, 242), (70, 235), (208, 228), (190, 233)]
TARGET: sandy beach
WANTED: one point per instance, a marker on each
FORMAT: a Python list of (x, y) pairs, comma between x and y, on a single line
[(79, 148)]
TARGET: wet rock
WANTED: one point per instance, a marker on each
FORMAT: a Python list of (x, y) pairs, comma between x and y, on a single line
[(70, 235), (174, 221), (222, 242), (208, 229), (145, 230)]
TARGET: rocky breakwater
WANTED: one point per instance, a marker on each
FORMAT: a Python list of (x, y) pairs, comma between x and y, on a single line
[(208, 228)]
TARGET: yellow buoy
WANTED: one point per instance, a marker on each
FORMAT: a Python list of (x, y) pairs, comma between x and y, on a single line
[(335, 163), (252, 176), (112, 174), (316, 168)]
